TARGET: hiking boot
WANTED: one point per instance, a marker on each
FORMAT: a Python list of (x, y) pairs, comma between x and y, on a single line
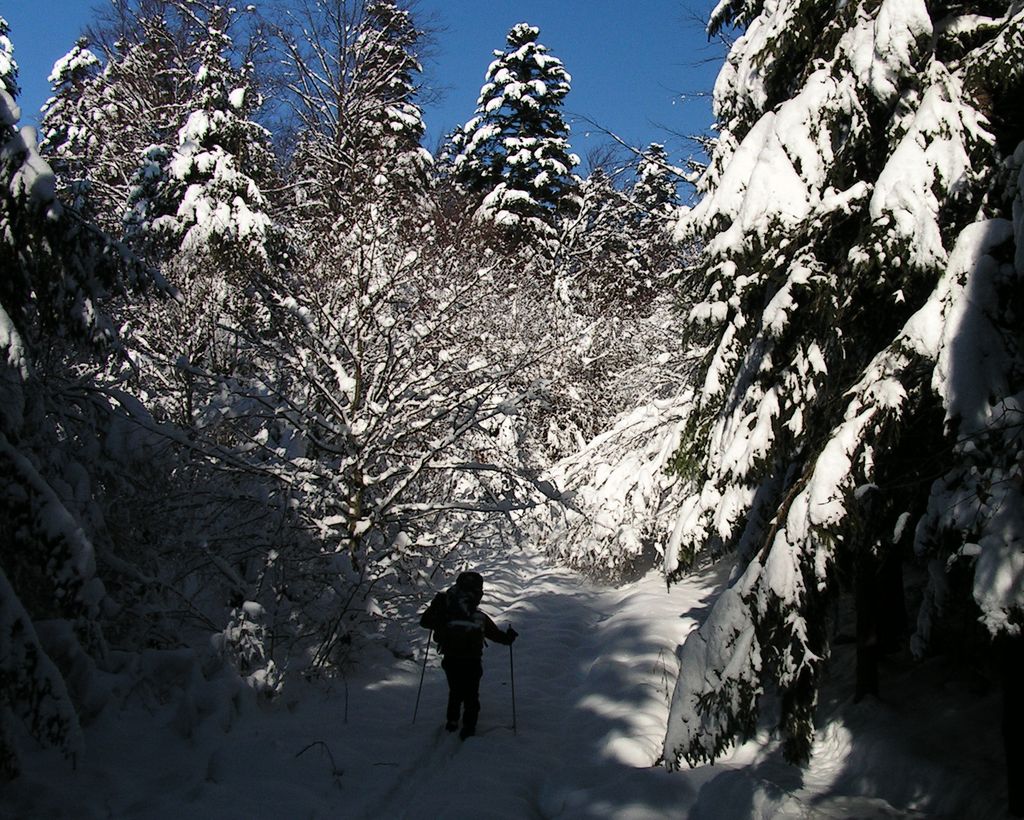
[(467, 732), (451, 726)]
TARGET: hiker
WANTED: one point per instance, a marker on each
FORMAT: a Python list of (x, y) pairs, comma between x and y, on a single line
[(460, 629)]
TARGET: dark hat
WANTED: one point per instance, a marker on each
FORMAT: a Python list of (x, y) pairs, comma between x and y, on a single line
[(471, 582)]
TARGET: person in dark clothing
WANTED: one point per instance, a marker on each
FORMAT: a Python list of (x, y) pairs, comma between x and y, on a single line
[(461, 629)]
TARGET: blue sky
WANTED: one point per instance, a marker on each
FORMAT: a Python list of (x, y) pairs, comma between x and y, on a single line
[(638, 67)]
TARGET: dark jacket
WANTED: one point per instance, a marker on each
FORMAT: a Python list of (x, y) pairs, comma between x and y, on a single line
[(459, 626)]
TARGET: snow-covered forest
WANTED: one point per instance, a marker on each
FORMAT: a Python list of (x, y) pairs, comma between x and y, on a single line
[(748, 423)]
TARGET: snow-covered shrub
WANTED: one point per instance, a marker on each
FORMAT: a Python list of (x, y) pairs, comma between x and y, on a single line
[(244, 642), (367, 411), (618, 494)]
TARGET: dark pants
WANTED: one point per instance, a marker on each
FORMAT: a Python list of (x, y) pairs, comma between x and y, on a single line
[(463, 690)]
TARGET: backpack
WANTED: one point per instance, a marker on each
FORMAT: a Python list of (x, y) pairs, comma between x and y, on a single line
[(458, 626)]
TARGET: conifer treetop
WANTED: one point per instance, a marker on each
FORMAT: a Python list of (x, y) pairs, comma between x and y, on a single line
[(514, 153), (522, 33)]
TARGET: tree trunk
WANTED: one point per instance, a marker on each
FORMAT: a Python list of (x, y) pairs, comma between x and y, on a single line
[(1011, 656), (866, 597), (881, 614)]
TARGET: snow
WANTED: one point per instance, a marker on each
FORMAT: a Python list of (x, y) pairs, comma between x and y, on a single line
[(776, 176), (929, 164), (10, 111), (999, 571), (33, 180), (750, 441), (620, 490), (883, 49), (25, 667), (13, 349), (593, 669), (207, 209), (78, 59), (967, 345), (59, 526)]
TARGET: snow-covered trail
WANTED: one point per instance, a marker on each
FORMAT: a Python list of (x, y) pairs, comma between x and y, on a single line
[(594, 669), (593, 673)]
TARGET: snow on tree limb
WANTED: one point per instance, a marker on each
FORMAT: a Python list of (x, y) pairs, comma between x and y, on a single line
[(856, 217)]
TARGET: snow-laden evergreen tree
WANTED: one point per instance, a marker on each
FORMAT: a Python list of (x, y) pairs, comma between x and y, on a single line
[(595, 248), (199, 211), (68, 120), (203, 196), (863, 228), (386, 51), (351, 69), (616, 251), (33, 690), (656, 189), (514, 154), (56, 271), (113, 100), (654, 197)]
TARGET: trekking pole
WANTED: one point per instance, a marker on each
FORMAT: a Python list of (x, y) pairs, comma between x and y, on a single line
[(422, 673), (512, 675)]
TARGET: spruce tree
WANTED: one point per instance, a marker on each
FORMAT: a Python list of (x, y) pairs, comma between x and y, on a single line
[(514, 155), (113, 100), (595, 249), (203, 195), (863, 228), (58, 270), (655, 194), (351, 73), (386, 54), (654, 201), (68, 118)]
